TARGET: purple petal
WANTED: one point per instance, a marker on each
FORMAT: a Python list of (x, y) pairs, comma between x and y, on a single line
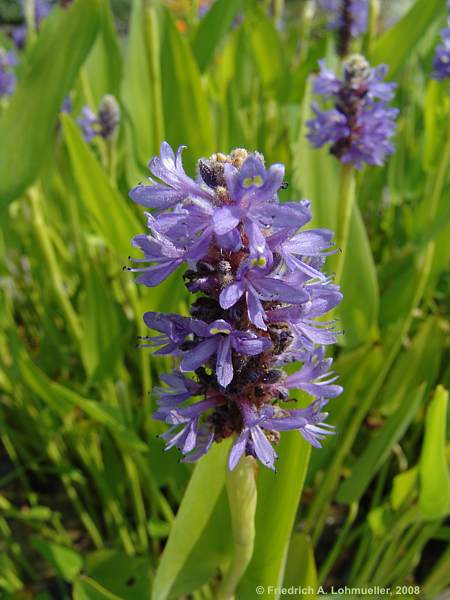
[(224, 365), (238, 449), (196, 357), (255, 309), (225, 219), (231, 294)]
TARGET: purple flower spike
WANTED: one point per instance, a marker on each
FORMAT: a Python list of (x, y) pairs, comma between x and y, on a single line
[(349, 18), (441, 61), (360, 126), (42, 9), (104, 124), (261, 298), (8, 61)]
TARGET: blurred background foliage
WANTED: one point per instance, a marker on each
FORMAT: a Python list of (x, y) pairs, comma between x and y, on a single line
[(88, 499)]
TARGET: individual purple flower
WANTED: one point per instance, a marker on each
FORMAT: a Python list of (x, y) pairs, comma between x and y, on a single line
[(105, 123), (262, 294), (8, 80), (361, 124), (441, 61), (220, 339), (42, 9), (349, 18)]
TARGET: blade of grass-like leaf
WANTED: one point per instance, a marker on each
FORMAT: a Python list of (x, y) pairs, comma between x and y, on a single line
[(397, 43), (186, 111), (379, 448), (360, 305), (195, 516), (278, 498), (104, 64), (100, 343), (63, 399), (136, 94), (212, 29), (109, 210), (27, 126), (267, 49), (126, 576), (434, 491), (67, 562), (301, 572)]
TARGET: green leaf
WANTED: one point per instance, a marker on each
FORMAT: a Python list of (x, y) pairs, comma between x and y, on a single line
[(278, 498), (85, 588), (360, 305), (404, 487), (65, 561), (104, 64), (379, 449), (126, 576), (420, 362), (101, 344), (63, 400), (212, 29), (301, 572), (397, 44), (110, 211), (136, 94), (186, 112), (189, 558), (434, 491), (27, 126), (267, 50)]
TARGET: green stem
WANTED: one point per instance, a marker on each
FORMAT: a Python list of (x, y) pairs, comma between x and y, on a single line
[(277, 11), (347, 186), (241, 490), (30, 20)]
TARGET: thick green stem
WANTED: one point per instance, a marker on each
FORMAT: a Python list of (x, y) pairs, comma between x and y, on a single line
[(345, 207), (241, 490)]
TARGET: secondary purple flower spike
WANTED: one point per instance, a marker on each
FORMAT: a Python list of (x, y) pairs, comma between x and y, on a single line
[(262, 294), (105, 123), (361, 124), (8, 61), (42, 9), (441, 61), (349, 18)]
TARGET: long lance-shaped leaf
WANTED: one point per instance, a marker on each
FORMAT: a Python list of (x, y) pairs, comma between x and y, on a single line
[(27, 126)]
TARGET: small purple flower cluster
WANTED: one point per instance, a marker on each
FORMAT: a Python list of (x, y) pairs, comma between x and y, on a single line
[(361, 124), (441, 61), (42, 9), (8, 80), (348, 18), (353, 14), (260, 290), (105, 123)]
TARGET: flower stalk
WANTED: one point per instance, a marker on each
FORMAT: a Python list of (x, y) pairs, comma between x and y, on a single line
[(242, 497), (345, 207)]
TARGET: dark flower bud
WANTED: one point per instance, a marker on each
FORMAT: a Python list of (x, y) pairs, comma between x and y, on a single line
[(356, 69), (273, 376), (108, 116)]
